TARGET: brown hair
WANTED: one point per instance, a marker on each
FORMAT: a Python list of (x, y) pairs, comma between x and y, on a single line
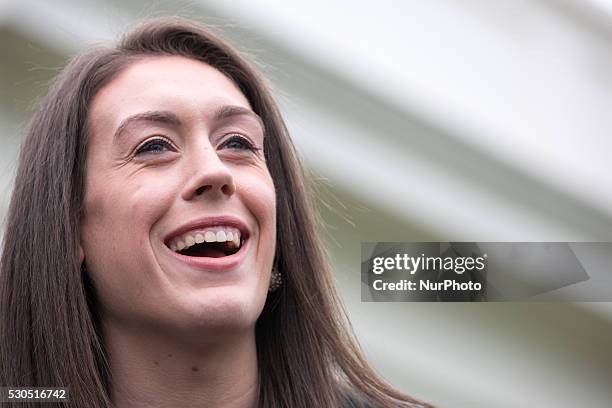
[(49, 331)]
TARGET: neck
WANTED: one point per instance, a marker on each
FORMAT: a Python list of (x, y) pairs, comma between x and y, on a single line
[(151, 369)]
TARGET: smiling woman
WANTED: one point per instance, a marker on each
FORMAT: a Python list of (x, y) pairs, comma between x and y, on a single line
[(161, 249)]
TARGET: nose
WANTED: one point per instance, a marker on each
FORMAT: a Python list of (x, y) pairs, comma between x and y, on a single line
[(210, 177)]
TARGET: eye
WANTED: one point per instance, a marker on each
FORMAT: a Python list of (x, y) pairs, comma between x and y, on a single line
[(154, 146), (237, 142)]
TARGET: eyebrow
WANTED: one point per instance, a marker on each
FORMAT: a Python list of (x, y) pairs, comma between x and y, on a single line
[(161, 117), (169, 118), (228, 111)]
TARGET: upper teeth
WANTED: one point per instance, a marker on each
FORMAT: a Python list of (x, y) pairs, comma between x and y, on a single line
[(210, 234)]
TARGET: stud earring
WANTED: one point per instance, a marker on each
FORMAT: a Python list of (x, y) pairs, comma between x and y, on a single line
[(276, 279)]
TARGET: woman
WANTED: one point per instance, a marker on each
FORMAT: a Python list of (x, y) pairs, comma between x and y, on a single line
[(160, 248)]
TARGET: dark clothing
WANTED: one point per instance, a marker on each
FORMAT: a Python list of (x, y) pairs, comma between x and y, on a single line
[(349, 399)]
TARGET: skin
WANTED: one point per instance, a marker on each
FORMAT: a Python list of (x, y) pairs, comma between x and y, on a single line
[(176, 335)]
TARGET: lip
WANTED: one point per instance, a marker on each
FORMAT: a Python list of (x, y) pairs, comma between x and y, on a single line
[(209, 263)]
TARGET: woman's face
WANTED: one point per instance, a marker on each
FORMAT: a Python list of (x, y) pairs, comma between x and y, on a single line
[(179, 228)]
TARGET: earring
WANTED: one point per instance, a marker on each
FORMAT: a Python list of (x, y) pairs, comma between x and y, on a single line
[(276, 279)]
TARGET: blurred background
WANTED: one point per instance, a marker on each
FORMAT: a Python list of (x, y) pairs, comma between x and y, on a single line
[(465, 120)]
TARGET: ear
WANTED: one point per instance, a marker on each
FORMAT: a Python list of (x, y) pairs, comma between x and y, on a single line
[(81, 254)]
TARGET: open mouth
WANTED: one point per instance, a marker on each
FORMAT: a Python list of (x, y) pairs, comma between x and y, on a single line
[(211, 249), (211, 242)]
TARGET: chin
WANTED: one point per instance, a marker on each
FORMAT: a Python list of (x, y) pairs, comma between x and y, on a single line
[(225, 307)]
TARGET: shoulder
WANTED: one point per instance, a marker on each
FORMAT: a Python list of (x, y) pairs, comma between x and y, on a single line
[(351, 399)]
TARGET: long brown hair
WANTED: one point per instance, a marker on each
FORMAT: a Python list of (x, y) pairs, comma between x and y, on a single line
[(49, 331)]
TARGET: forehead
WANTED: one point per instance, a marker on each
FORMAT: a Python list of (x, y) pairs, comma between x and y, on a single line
[(183, 85)]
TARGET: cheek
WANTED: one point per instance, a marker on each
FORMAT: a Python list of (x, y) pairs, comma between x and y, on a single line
[(118, 219), (260, 198), (115, 236), (128, 199)]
